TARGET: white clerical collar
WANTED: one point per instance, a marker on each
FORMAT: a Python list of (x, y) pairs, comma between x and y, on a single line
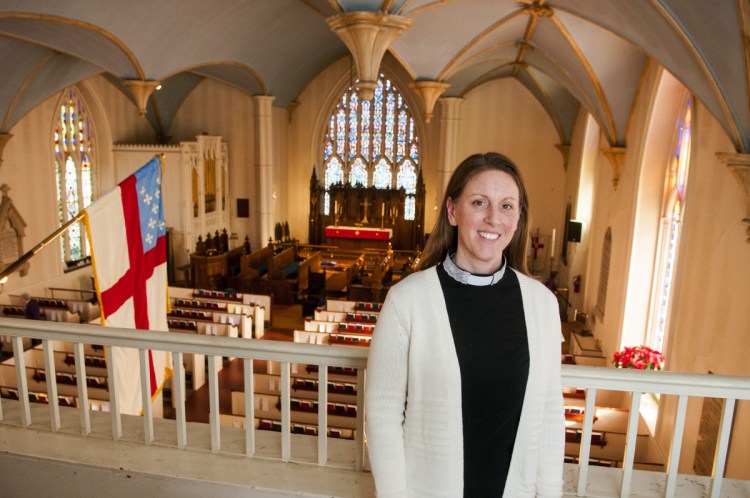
[(466, 277)]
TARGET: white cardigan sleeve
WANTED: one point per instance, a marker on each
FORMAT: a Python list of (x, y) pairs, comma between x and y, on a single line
[(552, 437), (385, 399)]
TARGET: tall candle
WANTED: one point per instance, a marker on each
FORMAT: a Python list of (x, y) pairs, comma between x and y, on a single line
[(552, 245), (382, 210)]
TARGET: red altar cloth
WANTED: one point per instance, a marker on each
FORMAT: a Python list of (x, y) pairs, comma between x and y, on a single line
[(359, 233)]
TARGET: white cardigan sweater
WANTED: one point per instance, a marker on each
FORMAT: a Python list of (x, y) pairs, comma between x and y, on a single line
[(413, 396)]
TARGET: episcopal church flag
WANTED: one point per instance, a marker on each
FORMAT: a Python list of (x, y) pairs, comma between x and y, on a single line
[(127, 234)]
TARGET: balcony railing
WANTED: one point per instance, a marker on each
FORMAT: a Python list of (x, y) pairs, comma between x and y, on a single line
[(592, 379)]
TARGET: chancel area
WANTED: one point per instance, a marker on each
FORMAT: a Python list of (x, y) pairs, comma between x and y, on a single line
[(303, 166)]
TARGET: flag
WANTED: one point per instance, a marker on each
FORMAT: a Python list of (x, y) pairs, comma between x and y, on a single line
[(127, 235)]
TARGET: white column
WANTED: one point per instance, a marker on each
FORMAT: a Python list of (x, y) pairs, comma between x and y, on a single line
[(450, 118), (264, 165)]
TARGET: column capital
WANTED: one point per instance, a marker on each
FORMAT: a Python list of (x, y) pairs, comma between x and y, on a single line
[(430, 91), (141, 91), (739, 166), (368, 35), (4, 138)]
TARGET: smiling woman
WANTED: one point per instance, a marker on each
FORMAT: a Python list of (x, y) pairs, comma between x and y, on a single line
[(466, 353)]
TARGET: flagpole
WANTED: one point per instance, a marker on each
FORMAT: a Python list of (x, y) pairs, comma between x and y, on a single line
[(51, 237)]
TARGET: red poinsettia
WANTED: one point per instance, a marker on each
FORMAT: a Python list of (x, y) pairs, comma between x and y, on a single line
[(639, 357)]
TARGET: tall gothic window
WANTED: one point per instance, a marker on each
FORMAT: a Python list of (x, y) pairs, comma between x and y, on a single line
[(670, 230), (73, 171), (372, 143)]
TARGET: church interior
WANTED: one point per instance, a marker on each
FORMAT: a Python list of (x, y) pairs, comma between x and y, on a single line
[(306, 147)]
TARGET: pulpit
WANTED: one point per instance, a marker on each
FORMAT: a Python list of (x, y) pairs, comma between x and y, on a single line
[(209, 271), (354, 237)]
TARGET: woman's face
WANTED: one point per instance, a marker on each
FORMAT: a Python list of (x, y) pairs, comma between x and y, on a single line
[(486, 216)]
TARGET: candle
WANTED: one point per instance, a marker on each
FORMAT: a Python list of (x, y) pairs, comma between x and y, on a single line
[(552, 245), (382, 210), (335, 207)]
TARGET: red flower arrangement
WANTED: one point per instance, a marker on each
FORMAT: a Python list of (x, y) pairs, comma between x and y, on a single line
[(639, 357)]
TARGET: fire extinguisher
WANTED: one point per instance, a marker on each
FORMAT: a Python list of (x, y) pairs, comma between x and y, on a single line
[(577, 283)]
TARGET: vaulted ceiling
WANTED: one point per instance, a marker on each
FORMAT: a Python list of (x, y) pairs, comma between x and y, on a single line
[(568, 53)]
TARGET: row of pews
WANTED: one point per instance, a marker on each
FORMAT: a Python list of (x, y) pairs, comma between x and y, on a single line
[(191, 310), (340, 322), (284, 269), (337, 323), (55, 309)]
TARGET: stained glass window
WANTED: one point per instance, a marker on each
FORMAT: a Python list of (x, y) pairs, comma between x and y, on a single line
[(73, 171), (407, 179), (674, 202), (382, 176), (367, 140), (357, 173)]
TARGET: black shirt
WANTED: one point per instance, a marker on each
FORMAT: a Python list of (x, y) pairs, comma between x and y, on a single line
[(489, 332)]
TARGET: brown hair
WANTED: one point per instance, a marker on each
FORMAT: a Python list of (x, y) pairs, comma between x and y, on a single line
[(443, 238)]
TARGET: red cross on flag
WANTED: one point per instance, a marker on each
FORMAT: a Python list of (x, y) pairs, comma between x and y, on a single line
[(127, 234)]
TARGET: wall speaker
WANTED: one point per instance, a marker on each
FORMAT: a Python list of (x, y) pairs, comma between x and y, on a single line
[(243, 208), (574, 231)]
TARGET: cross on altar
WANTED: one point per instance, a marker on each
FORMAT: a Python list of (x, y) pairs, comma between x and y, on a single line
[(536, 244), (365, 204)]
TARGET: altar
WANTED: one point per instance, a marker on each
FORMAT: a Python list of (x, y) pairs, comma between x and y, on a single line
[(354, 237)]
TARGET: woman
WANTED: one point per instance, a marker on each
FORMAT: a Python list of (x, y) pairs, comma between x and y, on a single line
[(463, 381)]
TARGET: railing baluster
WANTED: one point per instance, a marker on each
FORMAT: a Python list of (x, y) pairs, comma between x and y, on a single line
[(22, 384), (585, 450), (51, 375), (178, 400), (322, 414), (674, 450), (722, 446), (114, 392), (249, 407), (286, 438), (630, 443), (360, 436), (213, 395), (148, 419), (83, 388)]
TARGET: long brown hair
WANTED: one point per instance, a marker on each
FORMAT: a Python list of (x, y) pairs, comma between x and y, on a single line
[(443, 238)]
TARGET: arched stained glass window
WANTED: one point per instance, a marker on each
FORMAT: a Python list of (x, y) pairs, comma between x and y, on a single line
[(407, 179), (334, 175), (671, 227), (367, 140), (357, 173), (382, 177), (73, 171)]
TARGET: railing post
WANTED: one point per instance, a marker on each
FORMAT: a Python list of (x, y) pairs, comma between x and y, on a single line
[(83, 390), (674, 450), (51, 374), (178, 388), (114, 392), (286, 439), (213, 395), (585, 450), (630, 443), (22, 384), (249, 407), (148, 419), (322, 414), (360, 436), (722, 446)]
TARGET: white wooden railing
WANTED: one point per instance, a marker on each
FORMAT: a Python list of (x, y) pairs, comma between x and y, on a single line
[(590, 378)]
